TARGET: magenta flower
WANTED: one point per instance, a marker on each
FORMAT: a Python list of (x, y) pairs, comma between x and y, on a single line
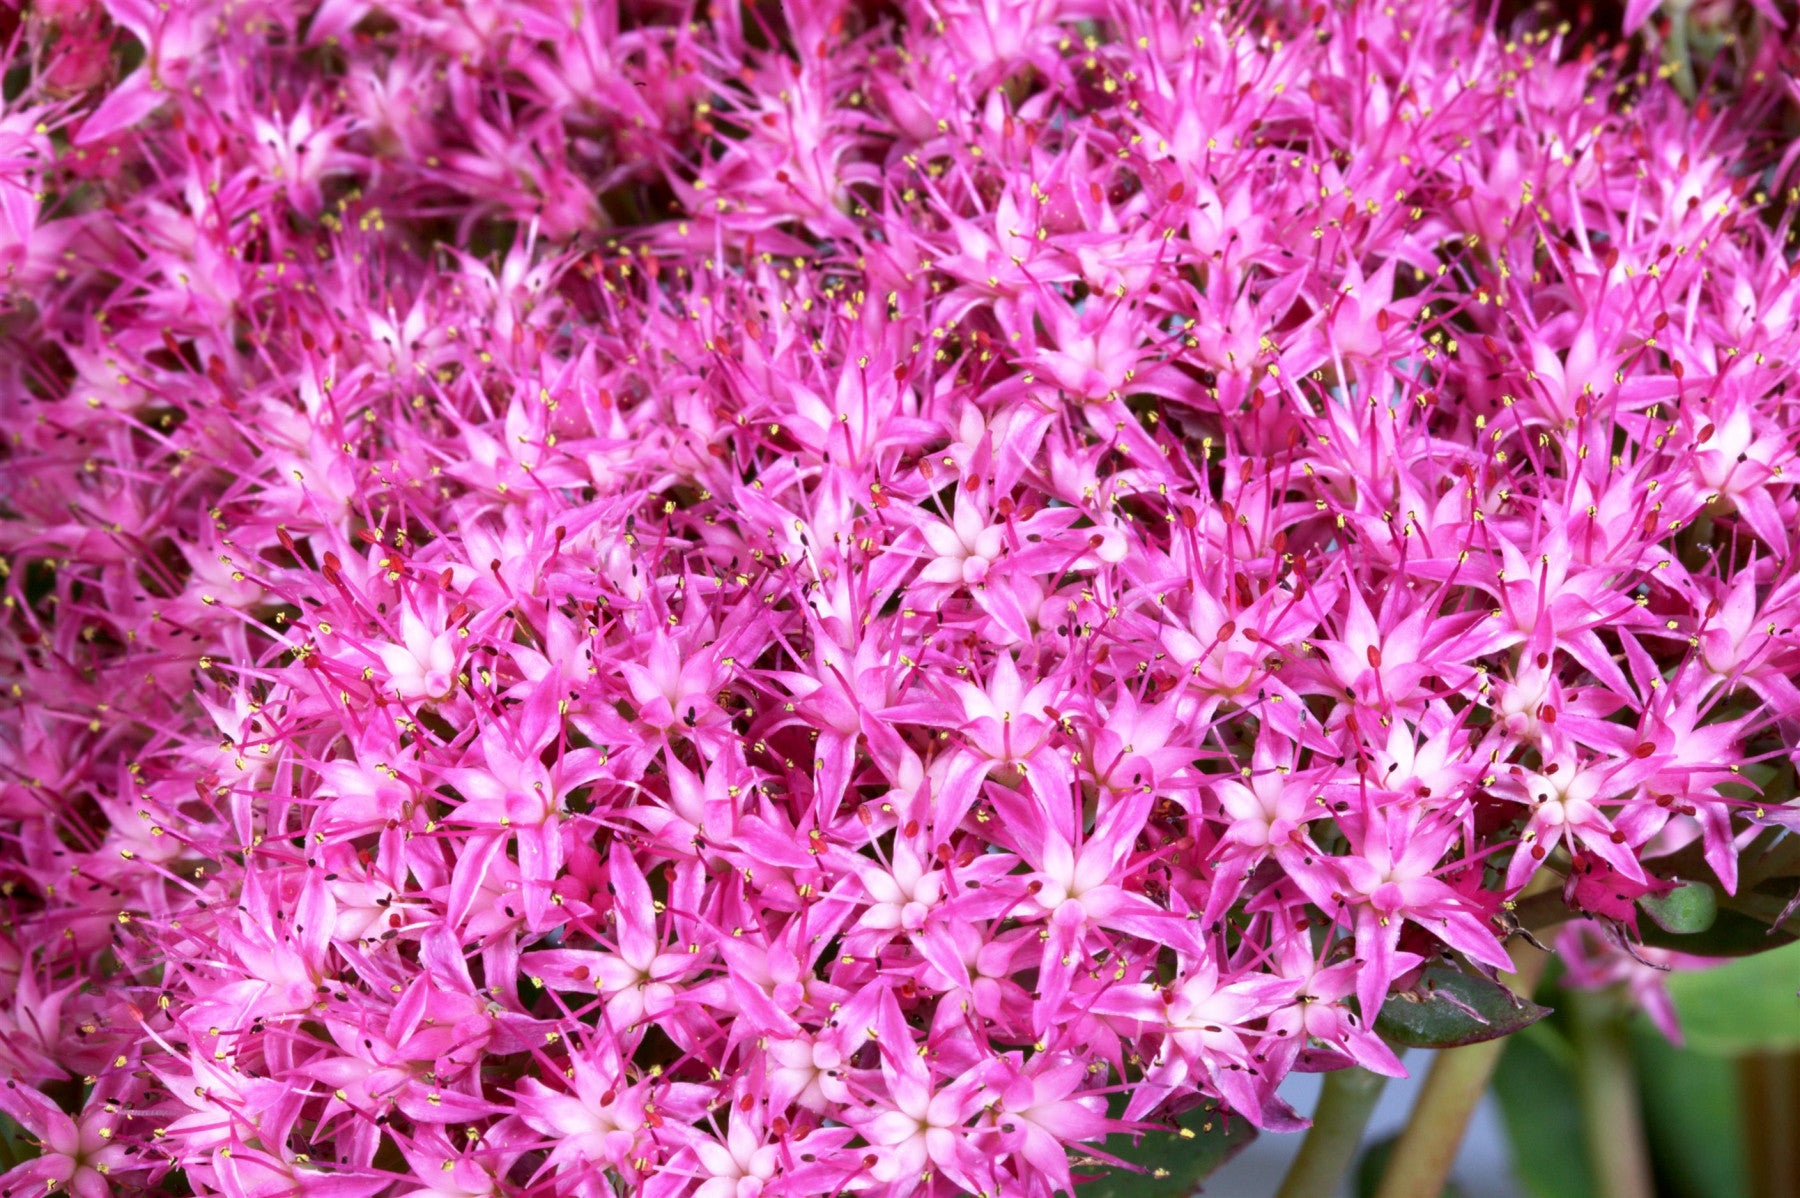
[(78, 1156), (823, 599)]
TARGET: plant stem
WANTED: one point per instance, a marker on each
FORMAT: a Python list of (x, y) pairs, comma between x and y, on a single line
[(1769, 1083), (1543, 912), (1330, 1145), (1611, 1121), (1428, 1145), (1682, 54)]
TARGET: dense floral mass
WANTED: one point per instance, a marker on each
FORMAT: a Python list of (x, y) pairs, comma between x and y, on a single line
[(612, 598)]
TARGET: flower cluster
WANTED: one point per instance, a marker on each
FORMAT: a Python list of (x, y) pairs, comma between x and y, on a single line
[(609, 598)]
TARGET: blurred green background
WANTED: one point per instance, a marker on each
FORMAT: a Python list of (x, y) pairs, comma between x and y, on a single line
[(1721, 1114)]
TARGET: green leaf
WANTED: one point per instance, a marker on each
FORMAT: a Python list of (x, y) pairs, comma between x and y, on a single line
[(1692, 1118), (1173, 1164), (1451, 1008), (16, 1146), (1746, 1006), (1689, 908), (1733, 933), (1535, 1087)]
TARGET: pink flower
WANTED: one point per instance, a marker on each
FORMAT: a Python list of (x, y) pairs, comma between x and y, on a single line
[(916, 1127), (966, 547), (640, 980), (1389, 879), (1204, 1025), (599, 603), (422, 668), (75, 1156), (605, 1120)]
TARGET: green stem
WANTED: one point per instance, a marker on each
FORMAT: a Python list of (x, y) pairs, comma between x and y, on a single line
[(12, 1150), (1682, 54), (1542, 912), (1428, 1145), (1769, 1084), (1611, 1120), (1337, 1126)]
